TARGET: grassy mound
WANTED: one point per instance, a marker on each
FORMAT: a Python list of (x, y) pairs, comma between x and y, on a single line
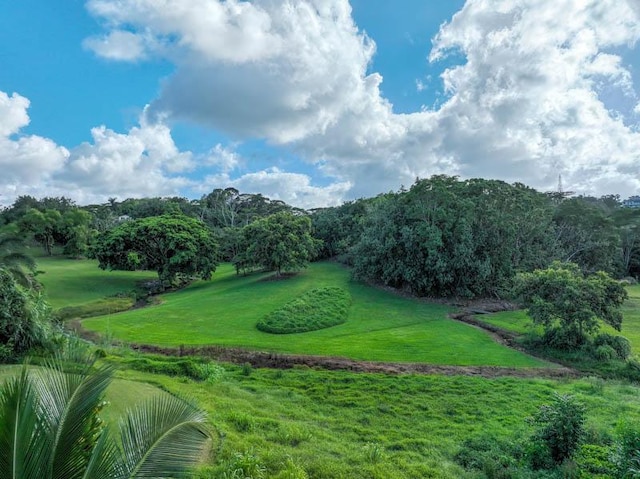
[(316, 309)]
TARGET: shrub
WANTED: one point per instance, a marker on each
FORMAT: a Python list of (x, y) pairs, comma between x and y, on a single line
[(316, 309), (620, 344), (605, 353), (564, 338), (559, 427)]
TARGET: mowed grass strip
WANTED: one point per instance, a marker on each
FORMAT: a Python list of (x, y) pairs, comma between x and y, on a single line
[(316, 309), (381, 326), (69, 282)]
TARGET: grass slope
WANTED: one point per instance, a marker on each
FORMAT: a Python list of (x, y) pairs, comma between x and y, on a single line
[(76, 282), (381, 326), (343, 425)]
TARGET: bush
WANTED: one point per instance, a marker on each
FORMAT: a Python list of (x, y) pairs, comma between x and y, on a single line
[(605, 353), (316, 309), (620, 344), (559, 427), (564, 339)]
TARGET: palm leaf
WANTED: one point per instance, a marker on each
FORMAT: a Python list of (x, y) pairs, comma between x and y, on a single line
[(162, 438), (14, 259), (21, 453), (68, 405)]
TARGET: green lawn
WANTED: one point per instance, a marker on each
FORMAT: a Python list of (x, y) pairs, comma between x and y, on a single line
[(381, 326), (70, 282)]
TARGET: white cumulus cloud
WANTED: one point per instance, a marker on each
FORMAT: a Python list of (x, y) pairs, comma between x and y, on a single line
[(531, 99)]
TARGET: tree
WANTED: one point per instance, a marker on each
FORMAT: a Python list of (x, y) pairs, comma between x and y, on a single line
[(50, 429), (564, 301), (172, 245), (44, 226), (280, 242)]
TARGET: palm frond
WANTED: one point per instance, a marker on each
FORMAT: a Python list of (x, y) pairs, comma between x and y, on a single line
[(68, 405), (21, 453), (14, 259), (163, 437)]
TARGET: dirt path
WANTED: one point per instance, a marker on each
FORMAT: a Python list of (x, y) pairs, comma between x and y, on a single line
[(260, 359)]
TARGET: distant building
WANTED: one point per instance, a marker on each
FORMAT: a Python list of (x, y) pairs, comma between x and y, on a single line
[(633, 202)]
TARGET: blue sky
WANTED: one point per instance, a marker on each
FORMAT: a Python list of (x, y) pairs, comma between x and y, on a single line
[(315, 101)]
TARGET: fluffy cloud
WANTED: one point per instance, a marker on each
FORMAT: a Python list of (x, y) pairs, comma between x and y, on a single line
[(293, 188), (26, 161), (144, 161), (141, 162), (532, 99)]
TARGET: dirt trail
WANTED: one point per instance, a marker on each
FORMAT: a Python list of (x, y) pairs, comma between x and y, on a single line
[(260, 359)]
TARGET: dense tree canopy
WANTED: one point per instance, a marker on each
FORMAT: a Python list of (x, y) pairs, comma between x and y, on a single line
[(172, 245), (279, 242)]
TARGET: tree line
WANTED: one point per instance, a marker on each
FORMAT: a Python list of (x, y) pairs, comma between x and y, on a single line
[(469, 238)]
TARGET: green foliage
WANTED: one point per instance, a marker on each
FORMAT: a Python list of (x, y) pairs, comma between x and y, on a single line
[(605, 352), (626, 449), (25, 320), (446, 237), (50, 428), (170, 245), (44, 225), (496, 458), (594, 461), (559, 427), (316, 309), (14, 260), (568, 304), (280, 242), (621, 346)]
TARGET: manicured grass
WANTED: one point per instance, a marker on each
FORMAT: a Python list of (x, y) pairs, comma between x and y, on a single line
[(381, 326), (70, 282), (344, 425), (514, 321), (316, 309)]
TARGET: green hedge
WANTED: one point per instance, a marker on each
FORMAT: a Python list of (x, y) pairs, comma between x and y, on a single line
[(316, 309)]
